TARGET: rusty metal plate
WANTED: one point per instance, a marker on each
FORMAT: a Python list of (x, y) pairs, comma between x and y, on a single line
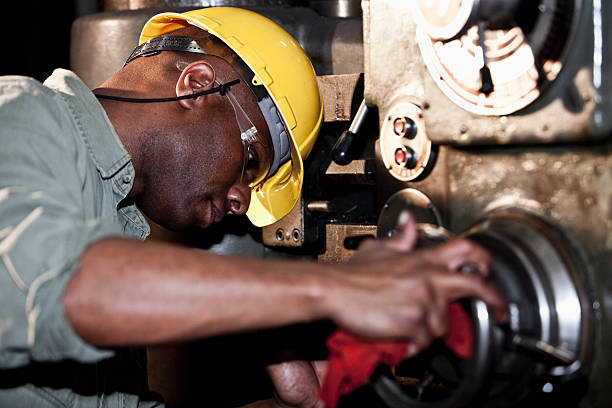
[(358, 171), (288, 231), (339, 93), (336, 250)]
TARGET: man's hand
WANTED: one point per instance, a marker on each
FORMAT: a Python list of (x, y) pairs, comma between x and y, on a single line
[(409, 301), (297, 383), (392, 292)]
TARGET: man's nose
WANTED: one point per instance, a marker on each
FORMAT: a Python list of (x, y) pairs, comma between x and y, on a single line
[(239, 198)]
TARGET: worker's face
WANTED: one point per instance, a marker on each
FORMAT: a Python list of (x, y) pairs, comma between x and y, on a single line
[(199, 175)]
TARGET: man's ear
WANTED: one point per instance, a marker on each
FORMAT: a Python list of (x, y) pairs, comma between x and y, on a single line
[(196, 77)]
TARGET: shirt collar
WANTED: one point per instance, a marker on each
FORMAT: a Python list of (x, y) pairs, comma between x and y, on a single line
[(95, 128)]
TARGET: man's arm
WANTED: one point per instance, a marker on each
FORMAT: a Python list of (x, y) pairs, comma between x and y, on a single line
[(128, 292), (133, 293)]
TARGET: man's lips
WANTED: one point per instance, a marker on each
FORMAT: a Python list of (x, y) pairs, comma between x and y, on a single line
[(216, 214)]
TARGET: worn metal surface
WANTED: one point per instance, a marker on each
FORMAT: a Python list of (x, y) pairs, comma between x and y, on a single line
[(551, 158), (288, 231), (339, 93), (101, 42), (556, 286), (359, 171), (391, 67), (337, 8), (572, 108), (336, 243), (347, 47), (570, 186), (416, 202), (435, 185)]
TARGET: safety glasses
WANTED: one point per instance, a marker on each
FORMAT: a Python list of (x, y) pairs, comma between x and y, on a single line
[(257, 155)]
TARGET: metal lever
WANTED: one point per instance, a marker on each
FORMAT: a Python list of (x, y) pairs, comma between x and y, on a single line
[(342, 149)]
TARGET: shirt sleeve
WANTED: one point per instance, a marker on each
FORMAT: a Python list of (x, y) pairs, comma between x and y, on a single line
[(43, 229)]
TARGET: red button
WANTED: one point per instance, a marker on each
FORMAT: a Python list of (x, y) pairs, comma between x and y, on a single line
[(399, 126), (400, 156)]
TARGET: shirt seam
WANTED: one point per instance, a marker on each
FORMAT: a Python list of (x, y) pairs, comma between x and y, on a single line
[(46, 395), (136, 223), (115, 166)]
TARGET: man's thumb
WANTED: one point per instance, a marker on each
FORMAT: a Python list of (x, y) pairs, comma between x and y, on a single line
[(406, 233)]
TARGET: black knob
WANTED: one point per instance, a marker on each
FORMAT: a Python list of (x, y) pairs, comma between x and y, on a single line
[(486, 80), (411, 128), (342, 148), (406, 156), (405, 127), (411, 158)]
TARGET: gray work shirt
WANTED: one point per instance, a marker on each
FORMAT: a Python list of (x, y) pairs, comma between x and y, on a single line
[(63, 173)]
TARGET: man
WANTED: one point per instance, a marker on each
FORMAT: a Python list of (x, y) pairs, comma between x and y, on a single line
[(210, 115)]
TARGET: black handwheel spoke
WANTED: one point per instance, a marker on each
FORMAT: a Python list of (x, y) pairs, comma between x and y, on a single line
[(486, 80)]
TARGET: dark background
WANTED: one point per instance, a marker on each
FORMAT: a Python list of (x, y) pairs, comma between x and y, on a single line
[(36, 35)]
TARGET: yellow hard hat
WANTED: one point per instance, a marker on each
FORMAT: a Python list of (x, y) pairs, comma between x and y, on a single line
[(281, 66)]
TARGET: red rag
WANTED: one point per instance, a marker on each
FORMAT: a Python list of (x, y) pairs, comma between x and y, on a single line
[(352, 360)]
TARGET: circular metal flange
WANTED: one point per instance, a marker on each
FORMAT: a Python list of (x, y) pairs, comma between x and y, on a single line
[(492, 68), (557, 282), (405, 148), (547, 340), (443, 19), (418, 203)]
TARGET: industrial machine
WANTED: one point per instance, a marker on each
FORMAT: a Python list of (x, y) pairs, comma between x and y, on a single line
[(492, 125), (488, 119)]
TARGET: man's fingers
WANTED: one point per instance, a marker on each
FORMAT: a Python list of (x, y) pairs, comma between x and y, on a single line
[(422, 335), (320, 368), (406, 234), (412, 350), (461, 253), (457, 286), (436, 319)]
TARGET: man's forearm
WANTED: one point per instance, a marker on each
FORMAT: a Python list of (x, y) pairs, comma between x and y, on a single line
[(133, 293)]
